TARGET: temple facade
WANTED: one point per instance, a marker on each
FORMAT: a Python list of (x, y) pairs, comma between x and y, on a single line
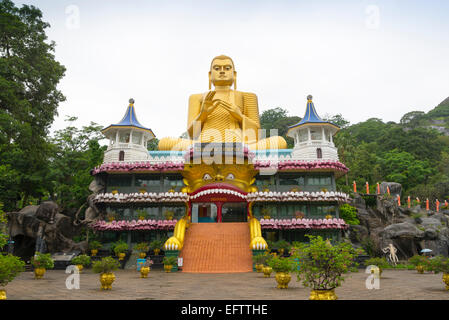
[(290, 192)]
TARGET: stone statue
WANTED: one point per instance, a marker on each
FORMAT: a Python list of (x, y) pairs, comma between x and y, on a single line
[(223, 114), (392, 251), (92, 213)]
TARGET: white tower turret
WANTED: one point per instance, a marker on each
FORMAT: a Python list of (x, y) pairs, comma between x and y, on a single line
[(127, 139), (313, 137)]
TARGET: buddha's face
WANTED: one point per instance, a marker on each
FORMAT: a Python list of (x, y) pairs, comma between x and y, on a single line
[(222, 72)]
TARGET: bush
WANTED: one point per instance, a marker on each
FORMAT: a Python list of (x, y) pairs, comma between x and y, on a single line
[(156, 244), (280, 264), (322, 265), (95, 245), (10, 267), (170, 261), (261, 258), (120, 247), (105, 265), (41, 260), (82, 259), (381, 263), (418, 260), (282, 244), (349, 214), (142, 247), (368, 246), (439, 264)]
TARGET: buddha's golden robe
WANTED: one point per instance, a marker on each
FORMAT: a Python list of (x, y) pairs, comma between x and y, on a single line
[(221, 126)]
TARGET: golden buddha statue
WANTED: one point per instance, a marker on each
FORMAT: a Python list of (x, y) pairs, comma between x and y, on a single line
[(223, 114)]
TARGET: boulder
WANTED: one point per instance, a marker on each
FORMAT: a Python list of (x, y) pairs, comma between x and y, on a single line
[(402, 230)]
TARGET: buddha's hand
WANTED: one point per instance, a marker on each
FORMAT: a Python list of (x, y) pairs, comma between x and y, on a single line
[(231, 108), (208, 104)]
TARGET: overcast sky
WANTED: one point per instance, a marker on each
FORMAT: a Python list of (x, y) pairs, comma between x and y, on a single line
[(362, 59)]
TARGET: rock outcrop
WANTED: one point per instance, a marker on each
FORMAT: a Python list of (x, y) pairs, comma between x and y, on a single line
[(409, 229)]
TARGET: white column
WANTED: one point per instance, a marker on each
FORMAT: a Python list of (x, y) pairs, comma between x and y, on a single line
[(116, 138), (130, 138), (323, 133), (310, 136)]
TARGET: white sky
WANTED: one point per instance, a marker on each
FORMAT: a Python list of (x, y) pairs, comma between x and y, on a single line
[(351, 60)]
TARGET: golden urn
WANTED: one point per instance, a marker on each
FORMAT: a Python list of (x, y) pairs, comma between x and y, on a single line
[(106, 280), (80, 267), (283, 279), (323, 295), (420, 269), (144, 272), (39, 273), (168, 267), (93, 252), (446, 280), (2, 294), (121, 255), (259, 267), (142, 255), (156, 251), (267, 271)]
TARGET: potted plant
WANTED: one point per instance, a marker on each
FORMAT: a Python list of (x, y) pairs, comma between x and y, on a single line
[(142, 248), (82, 261), (259, 261), (421, 263), (10, 267), (156, 245), (169, 262), (94, 246), (145, 269), (111, 216), (322, 266), (104, 267), (282, 246), (120, 249), (299, 215), (141, 214), (441, 264), (282, 267), (169, 215), (381, 263), (41, 262), (266, 212)]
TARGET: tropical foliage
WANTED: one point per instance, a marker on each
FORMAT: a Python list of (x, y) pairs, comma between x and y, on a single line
[(42, 260), (281, 264), (105, 265), (83, 260), (322, 265)]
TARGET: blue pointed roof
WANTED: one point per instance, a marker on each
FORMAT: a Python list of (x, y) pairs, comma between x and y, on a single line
[(311, 116), (129, 120)]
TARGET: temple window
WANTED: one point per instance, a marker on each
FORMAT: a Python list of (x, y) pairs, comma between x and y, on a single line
[(121, 156), (124, 137), (319, 153), (137, 136), (148, 182), (316, 134), (303, 135)]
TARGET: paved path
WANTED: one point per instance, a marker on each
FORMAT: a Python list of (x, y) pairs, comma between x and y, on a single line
[(395, 284)]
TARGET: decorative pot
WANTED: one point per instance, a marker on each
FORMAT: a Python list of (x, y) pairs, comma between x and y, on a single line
[(142, 255), (121, 255), (80, 267), (39, 273), (446, 280), (144, 272), (323, 295), (259, 267), (93, 252), (106, 280), (156, 251), (283, 278), (2, 294), (168, 267), (267, 271), (420, 269)]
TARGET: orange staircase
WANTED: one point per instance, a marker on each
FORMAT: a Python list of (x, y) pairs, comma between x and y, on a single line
[(217, 248)]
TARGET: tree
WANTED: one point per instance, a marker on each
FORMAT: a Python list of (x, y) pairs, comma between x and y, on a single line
[(278, 119), (29, 99), (76, 152)]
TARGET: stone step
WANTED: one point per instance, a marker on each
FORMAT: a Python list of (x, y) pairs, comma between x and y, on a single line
[(217, 248)]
